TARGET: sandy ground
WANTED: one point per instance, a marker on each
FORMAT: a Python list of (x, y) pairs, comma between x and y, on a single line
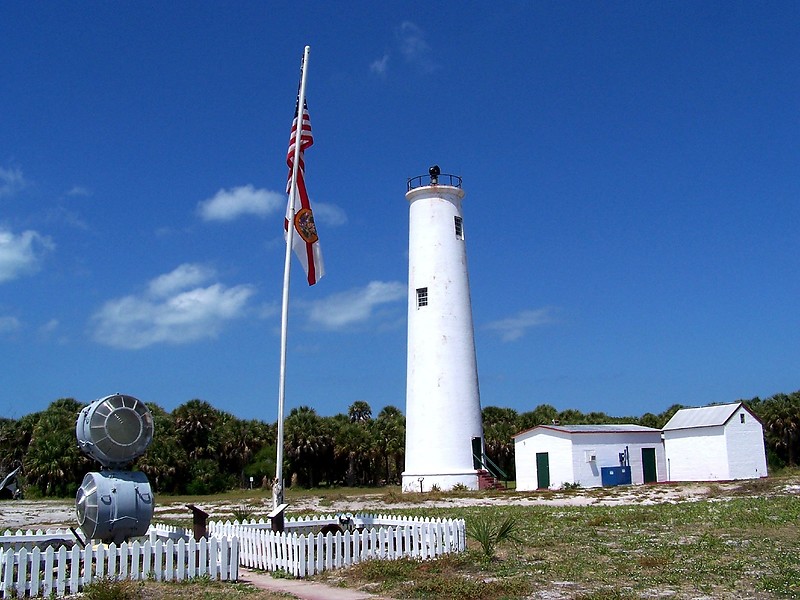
[(42, 514)]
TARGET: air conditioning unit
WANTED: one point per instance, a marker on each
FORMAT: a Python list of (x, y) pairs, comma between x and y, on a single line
[(591, 456)]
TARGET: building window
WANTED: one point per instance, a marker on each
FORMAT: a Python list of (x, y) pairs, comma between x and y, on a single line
[(459, 228), (741, 417), (422, 297)]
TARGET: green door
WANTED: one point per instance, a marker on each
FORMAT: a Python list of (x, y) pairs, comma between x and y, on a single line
[(477, 454), (649, 465), (542, 470)]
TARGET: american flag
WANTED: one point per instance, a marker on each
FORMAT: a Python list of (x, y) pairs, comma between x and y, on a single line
[(305, 241), (306, 141)]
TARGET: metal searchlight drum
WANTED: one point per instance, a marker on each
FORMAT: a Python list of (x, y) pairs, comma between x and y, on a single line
[(115, 430), (114, 504)]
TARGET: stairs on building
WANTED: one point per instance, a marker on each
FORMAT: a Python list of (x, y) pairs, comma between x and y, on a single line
[(487, 481)]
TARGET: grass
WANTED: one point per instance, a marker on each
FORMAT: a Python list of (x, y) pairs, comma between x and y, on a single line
[(201, 588), (741, 541)]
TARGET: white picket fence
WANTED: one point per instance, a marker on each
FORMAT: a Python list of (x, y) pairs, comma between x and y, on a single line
[(171, 554), (35, 572), (374, 537)]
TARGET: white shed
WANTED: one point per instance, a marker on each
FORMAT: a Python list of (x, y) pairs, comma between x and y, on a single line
[(720, 442), (549, 456)]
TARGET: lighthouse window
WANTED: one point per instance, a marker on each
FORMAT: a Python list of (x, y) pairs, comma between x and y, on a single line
[(459, 228), (422, 297)]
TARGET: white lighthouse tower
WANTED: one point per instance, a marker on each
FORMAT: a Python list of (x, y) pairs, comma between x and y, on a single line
[(444, 432)]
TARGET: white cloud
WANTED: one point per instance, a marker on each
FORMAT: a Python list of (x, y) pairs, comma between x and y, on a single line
[(9, 324), (50, 331), (328, 214), (355, 306), (11, 181), (380, 65), (168, 312), (230, 204), (78, 190), (414, 47), (21, 254), (50, 326), (513, 328), (185, 276)]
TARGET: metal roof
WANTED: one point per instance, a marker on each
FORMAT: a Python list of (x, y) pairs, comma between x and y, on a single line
[(613, 428), (705, 416)]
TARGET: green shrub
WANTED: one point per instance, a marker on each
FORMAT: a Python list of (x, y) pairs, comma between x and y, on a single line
[(489, 533), (113, 589), (243, 513)]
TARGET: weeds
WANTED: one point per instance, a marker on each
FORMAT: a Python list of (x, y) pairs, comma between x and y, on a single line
[(109, 588), (488, 533), (242, 513)]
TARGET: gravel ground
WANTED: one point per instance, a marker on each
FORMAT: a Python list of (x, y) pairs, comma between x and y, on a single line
[(41, 514)]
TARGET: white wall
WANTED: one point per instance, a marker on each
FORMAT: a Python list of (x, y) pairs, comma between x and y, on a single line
[(567, 456), (608, 447), (746, 456), (559, 448), (696, 454)]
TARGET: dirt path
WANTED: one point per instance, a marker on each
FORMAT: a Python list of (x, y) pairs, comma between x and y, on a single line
[(299, 588)]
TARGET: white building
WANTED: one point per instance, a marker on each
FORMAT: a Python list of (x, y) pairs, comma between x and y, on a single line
[(719, 442), (444, 431), (549, 456)]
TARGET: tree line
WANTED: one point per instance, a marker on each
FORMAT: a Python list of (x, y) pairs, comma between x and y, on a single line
[(199, 449)]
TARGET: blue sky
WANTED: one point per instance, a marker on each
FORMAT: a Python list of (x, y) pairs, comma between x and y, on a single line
[(631, 171)]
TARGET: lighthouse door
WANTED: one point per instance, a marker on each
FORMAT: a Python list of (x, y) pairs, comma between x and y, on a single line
[(477, 454)]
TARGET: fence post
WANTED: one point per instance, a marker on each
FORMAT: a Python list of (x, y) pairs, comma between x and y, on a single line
[(61, 575), (88, 567), (36, 571), (182, 560), (170, 567), (22, 571), (75, 572), (348, 547), (234, 563), (192, 571), (7, 571)]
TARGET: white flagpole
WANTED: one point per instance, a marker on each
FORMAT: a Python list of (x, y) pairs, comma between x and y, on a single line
[(277, 490)]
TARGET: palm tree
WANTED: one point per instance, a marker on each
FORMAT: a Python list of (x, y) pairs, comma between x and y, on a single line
[(354, 443), (307, 444), (166, 461), (544, 414), (359, 411), (499, 425), (239, 442), (390, 437), (15, 437), (194, 422), (53, 464), (781, 416)]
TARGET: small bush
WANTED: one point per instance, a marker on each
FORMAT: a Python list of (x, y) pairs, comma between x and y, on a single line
[(113, 589), (242, 513), (488, 533)]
